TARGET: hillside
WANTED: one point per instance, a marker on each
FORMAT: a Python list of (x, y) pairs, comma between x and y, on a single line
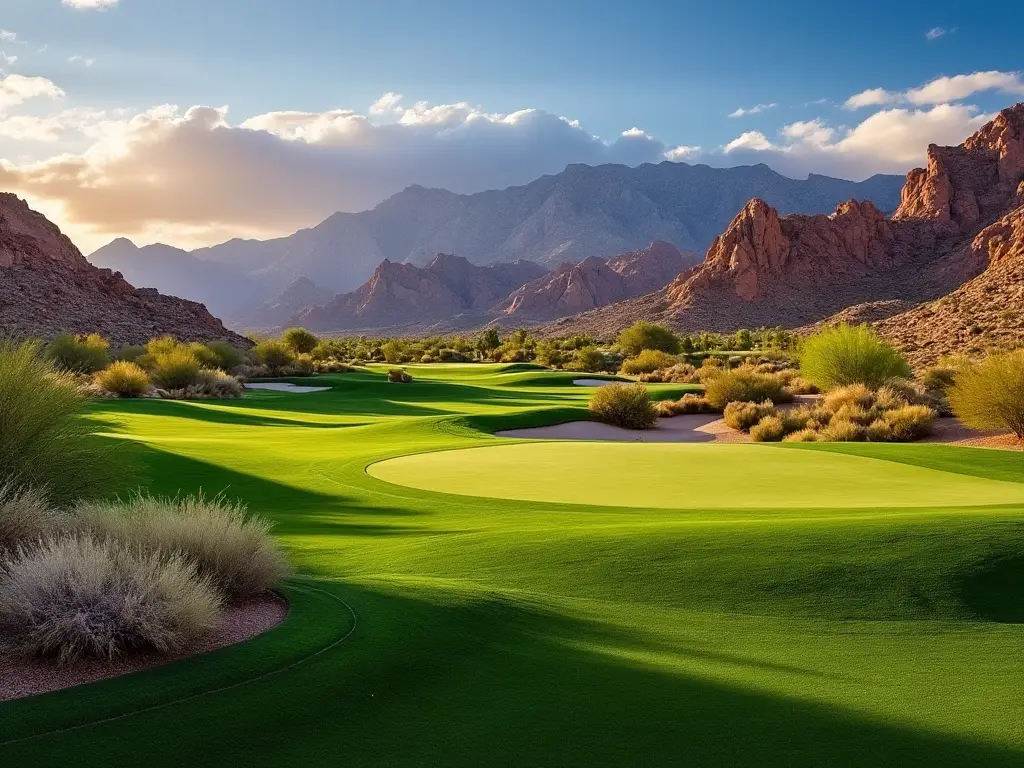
[(47, 287)]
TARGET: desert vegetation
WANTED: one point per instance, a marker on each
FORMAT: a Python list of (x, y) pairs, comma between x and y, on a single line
[(989, 394), (624, 405)]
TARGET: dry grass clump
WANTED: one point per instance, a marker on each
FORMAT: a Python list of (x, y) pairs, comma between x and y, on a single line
[(123, 379), (231, 548), (79, 354), (399, 376), (26, 517), (909, 422), (744, 385), (802, 436), (852, 396), (73, 597), (648, 361), (686, 405), (175, 369), (990, 394), (624, 405), (744, 416), (841, 431), (769, 430)]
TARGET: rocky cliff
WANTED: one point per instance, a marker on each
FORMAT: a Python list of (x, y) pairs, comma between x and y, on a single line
[(47, 287)]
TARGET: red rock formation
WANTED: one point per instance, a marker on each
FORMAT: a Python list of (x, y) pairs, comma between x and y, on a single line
[(47, 287)]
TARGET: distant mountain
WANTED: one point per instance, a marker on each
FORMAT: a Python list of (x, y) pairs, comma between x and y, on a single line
[(583, 211), (47, 287), (401, 295), (276, 312), (223, 289)]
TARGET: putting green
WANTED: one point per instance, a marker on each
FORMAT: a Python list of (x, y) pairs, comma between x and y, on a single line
[(689, 477)]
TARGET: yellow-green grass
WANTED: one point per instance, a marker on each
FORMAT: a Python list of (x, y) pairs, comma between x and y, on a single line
[(649, 475), (501, 632)]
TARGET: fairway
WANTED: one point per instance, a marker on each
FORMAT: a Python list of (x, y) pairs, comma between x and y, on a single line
[(689, 477), (467, 600)]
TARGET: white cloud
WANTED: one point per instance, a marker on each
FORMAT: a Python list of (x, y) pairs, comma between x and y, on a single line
[(7, 36), (388, 104), (936, 32), (754, 110), (682, 153), (942, 90), (7, 59), (90, 5), (84, 61), (889, 141), (195, 171), (17, 89)]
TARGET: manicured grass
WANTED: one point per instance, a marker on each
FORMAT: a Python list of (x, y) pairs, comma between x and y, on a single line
[(648, 475), (841, 623)]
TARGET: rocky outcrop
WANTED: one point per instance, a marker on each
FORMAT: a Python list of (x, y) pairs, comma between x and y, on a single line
[(959, 217), (47, 287), (403, 294), (595, 282)]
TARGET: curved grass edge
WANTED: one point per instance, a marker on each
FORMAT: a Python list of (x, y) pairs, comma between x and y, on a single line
[(317, 620)]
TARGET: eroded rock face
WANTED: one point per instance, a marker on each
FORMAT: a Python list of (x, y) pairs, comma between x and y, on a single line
[(47, 287), (594, 282)]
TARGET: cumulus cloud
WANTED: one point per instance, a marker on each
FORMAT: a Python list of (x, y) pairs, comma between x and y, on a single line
[(942, 90), (889, 141), (17, 89), (7, 36), (754, 110), (197, 171), (682, 153), (90, 5), (388, 104)]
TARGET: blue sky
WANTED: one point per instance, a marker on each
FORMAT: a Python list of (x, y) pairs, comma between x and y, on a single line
[(675, 70)]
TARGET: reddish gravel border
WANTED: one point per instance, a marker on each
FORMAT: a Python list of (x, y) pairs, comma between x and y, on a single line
[(20, 677)]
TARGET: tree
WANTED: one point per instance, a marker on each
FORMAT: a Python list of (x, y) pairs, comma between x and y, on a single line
[(744, 340), (300, 340), (643, 335), (589, 359), (273, 354), (488, 342), (990, 394)]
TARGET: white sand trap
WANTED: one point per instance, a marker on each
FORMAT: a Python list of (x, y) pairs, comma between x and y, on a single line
[(281, 387), (691, 428), (594, 382)]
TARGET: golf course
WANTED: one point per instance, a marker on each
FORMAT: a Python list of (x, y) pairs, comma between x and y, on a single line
[(463, 599)]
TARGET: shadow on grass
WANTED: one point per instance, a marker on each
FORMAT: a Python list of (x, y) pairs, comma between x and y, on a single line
[(433, 677), (994, 590)]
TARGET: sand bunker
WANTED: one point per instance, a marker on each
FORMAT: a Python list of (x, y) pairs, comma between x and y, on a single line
[(282, 387), (698, 428)]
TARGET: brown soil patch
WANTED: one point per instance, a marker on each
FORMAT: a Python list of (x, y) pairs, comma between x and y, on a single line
[(20, 677)]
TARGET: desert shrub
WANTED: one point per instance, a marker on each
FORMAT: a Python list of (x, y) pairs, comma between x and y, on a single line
[(856, 414), (302, 365), (397, 351), (79, 354), (162, 344), (853, 395), (768, 430), (129, 353), (301, 341), (844, 355), (798, 419), (910, 422), (399, 376), (229, 547), (840, 431), (743, 416), (643, 335), (74, 597), (691, 403), (802, 436), (679, 373), (26, 517), (175, 368), (648, 361), (214, 383), (207, 357), (990, 394), (896, 394), (45, 442), (667, 408), (797, 385), (879, 431), (588, 359), (939, 377), (226, 355), (744, 385), (624, 405), (332, 366), (275, 355), (123, 379)]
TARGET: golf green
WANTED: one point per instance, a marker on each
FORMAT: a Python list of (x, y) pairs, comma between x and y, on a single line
[(689, 477), (712, 605)]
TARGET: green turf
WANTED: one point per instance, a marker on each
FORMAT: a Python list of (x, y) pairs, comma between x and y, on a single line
[(587, 473), (857, 624)]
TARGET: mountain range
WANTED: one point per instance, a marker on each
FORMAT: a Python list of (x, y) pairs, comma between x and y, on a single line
[(584, 211)]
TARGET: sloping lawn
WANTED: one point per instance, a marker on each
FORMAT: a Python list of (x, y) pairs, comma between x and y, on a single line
[(548, 604)]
